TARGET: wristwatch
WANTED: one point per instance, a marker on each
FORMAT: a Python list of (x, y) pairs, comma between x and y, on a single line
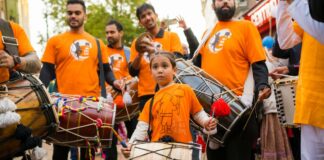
[(16, 60)]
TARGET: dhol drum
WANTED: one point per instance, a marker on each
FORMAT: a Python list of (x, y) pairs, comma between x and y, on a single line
[(32, 103), (163, 151), (129, 111), (208, 90), (83, 121), (285, 91)]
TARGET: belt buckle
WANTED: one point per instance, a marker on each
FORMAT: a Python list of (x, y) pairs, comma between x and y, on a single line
[(9, 40)]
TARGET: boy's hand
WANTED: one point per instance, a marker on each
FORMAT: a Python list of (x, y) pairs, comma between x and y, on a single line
[(211, 124), (126, 151)]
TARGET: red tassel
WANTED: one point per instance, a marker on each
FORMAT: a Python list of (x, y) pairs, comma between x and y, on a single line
[(201, 141), (119, 102), (220, 108)]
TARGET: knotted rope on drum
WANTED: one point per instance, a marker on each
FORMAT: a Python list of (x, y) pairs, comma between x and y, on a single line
[(62, 103)]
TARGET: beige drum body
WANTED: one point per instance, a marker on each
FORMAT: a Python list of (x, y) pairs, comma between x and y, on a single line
[(33, 105), (285, 93)]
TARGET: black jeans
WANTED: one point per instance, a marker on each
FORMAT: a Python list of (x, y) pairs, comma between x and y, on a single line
[(111, 153), (239, 145)]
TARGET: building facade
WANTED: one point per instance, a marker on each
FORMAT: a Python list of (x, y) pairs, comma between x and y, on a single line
[(17, 11)]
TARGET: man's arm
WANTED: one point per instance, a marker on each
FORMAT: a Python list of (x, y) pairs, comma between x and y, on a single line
[(134, 67), (47, 73), (192, 41), (30, 63), (109, 75), (287, 38), (260, 76), (305, 21)]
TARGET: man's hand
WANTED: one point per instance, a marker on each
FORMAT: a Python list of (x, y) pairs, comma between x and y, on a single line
[(264, 93), (278, 72), (118, 84), (144, 44), (182, 22), (6, 61)]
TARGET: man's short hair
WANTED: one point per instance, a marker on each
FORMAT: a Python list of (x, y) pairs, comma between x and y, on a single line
[(118, 25), (142, 8), (81, 2)]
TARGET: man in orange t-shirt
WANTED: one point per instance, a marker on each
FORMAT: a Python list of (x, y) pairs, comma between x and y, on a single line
[(118, 54), (229, 51), (72, 58), (139, 61), (118, 57), (26, 61)]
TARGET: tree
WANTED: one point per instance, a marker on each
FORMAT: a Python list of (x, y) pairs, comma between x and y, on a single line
[(98, 15)]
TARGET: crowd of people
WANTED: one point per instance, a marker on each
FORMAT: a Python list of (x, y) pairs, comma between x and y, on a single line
[(231, 52)]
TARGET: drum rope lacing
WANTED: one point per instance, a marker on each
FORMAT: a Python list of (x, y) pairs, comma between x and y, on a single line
[(172, 146), (98, 123)]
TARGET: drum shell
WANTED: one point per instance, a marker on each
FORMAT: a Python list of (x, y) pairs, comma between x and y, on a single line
[(133, 109), (33, 106), (285, 94), (208, 90), (79, 128)]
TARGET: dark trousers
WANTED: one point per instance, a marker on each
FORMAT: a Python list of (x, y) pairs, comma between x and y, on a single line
[(60, 152), (111, 153), (131, 125), (295, 143), (239, 145)]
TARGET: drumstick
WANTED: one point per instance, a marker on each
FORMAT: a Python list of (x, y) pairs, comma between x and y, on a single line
[(123, 90), (284, 75), (122, 142)]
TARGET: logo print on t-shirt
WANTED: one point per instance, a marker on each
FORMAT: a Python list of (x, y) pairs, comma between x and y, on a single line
[(158, 47), (80, 49), (216, 43), (115, 61)]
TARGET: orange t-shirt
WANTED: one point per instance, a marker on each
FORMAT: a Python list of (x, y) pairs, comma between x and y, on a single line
[(171, 112), (76, 62), (24, 47), (118, 62), (230, 50), (167, 41)]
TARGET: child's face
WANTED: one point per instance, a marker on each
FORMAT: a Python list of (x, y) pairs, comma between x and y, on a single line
[(162, 70)]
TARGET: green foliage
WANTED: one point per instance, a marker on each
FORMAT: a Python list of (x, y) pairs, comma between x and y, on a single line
[(98, 14)]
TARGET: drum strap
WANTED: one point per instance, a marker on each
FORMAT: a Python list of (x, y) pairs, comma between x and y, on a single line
[(149, 130), (101, 72), (10, 43)]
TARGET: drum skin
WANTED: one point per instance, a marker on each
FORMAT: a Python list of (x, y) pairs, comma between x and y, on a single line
[(33, 106), (208, 90)]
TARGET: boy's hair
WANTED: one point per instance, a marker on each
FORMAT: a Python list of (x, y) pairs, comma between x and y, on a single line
[(142, 8), (81, 2), (118, 25), (168, 55)]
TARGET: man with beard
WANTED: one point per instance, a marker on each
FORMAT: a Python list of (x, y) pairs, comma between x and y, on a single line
[(227, 54), (72, 58), (140, 59), (118, 57)]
